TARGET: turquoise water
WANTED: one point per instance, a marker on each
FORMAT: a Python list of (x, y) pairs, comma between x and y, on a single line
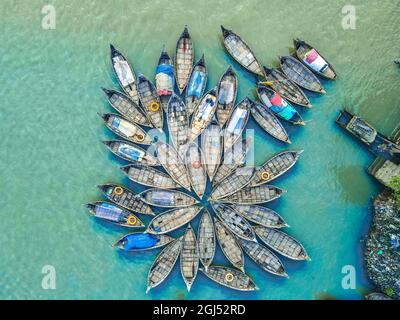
[(52, 157)]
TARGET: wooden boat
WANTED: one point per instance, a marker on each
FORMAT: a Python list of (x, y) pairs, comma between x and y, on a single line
[(229, 245), (178, 122), (233, 221), (140, 241), (263, 257), (300, 74), (173, 164), (196, 85), (130, 110), (282, 243), (260, 215), (212, 144), (196, 169), (206, 238), (203, 114), (167, 198), (275, 167), (115, 214), (149, 176), (125, 198), (164, 78), (172, 219), (236, 123), (279, 106), (150, 101), (230, 278), (288, 89), (125, 74), (226, 93), (269, 122), (131, 152), (233, 183), (233, 158), (313, 60), (163, 265), (184, 59), (126, 129), (189, 257), (255, 195), (241, 52)]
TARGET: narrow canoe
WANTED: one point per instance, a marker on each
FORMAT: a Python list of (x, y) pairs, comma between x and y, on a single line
[(163, 264), (229, 245), (183, 59), (126, 129), (196, 169), (255, 195), (260, 215), (127, 108), (286, 87), (125, 198), (203, 115), (230, 278), (115, 214), (300, 74), (263, 257), (282, 243), (241, 52), (178, 122), (131, 152), (275, 167), (206, 237), (233, 221), (269, 122), (226, 93), (212, 144), (279, 106), (125, 74), (167, 198), (240, 178), (173, 164), (172, 219), (149, 176), (140, 241), (150, 101), (196, 85), (164, 78), (236, 123), (189, 257), (313, 60)]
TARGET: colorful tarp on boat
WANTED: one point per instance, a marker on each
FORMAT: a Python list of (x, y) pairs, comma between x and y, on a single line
[(165, 79), (196, 85)]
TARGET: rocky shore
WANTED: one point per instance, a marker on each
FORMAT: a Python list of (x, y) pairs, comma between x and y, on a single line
[(382, 254)]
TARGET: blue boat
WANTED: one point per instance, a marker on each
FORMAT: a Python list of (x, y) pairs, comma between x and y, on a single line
[(139, 241)]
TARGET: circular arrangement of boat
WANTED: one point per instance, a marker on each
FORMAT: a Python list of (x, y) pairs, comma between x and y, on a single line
[(198, 179)]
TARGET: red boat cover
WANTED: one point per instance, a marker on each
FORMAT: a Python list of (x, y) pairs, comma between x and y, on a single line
[(276, 100), (312, 56)]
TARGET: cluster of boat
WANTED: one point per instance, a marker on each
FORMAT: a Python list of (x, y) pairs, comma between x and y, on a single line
[(173, 170)]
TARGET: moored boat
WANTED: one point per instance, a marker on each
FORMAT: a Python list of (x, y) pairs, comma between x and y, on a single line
[(140, 241), (230, 278), (167, 198), (312, 59), (115, 214), (130, 152), (255, 195), (196, 85), (150, 101), (260, 215), (125, 198), (300, 74), (164, 78), (206, 239), (178, 122), (282, 243), (189, 257), (126, 129), (149, 176), (212, 144), (184, 57), (241, 52), (279, 106), (226, 93), (196, 169)]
